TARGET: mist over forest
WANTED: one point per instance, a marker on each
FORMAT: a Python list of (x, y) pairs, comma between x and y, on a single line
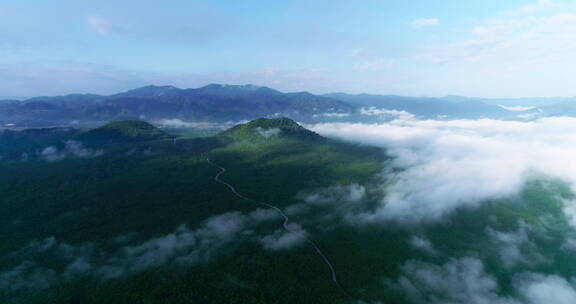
[(251, 152)]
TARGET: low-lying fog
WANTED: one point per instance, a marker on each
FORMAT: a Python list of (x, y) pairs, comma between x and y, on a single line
[(448, 164)]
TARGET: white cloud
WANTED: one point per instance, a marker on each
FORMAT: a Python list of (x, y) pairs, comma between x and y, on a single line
[(267, 133), (51, 154), (570, 211), (422, 244), (183, 246), (461, 163), (336, 195), (465, 280), (333, 115), (510, 246), (77, 149), (374, 111), (569, 245), (376, 64), (71, 149), (26, 276), (537, 289), (515, 43), (283, 239), (425, 22), (514, 247), (178, 123), (517, 38), (100, 25), (517, 108), (523, 52), (338, 203), (458, 281), (541, 5), (359, 53)]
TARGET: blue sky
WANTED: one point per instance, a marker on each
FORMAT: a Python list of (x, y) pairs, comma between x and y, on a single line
[(487, 48)]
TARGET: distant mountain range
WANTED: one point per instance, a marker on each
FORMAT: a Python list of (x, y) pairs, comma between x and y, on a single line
[(216, 103), (231, 103)]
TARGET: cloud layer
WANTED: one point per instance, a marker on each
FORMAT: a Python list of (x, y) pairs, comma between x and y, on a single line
[(465, 280), (446, 165)]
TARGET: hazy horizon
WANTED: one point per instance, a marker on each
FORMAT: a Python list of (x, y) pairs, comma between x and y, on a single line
[(296, 91), (519, 48)]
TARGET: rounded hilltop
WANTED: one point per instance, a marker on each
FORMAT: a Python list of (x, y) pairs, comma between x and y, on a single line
[(267, 128), (124, 131)]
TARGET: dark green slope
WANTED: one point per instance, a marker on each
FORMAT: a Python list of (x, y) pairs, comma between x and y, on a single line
[(92, 213), (14, 143), (148, 188), (265, 129), (123, 131)]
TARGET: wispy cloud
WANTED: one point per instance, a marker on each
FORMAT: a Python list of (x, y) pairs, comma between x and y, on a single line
[(465, 280), (515, 247), (541, 5), (283, 239), (71, 149), (539, 288), (425, 22), (422, 244), (458, 281), (100, 25), (267, 133), (535, 37), (374, 111), (183, 246), (376, 64), (37, 78)]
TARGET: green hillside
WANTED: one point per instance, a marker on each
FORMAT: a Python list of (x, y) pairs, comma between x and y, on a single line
[(147, 189), (148, 222), (269, 129), (14, 143), (123, 131)]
